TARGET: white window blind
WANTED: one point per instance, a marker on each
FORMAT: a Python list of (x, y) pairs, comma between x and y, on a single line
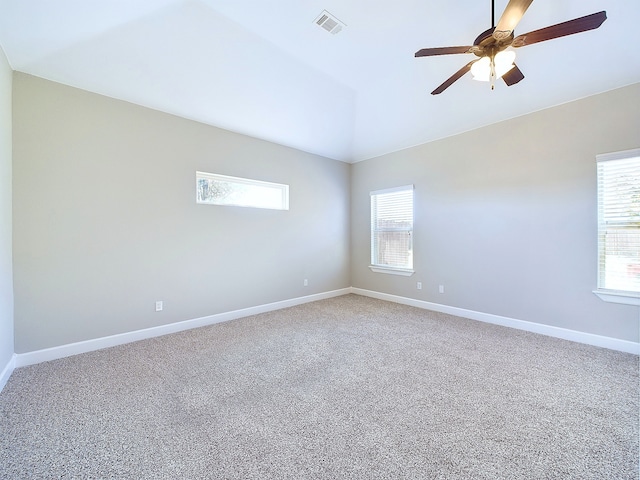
[(392, 228), (619, 221)]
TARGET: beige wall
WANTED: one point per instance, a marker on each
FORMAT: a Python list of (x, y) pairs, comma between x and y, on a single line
[(106, 221), (505, 216), (6, 280)]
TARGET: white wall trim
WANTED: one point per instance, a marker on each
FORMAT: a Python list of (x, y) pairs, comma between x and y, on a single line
[(551, 331), (7, 371), (406, 272), (47, 354), (614, 296)]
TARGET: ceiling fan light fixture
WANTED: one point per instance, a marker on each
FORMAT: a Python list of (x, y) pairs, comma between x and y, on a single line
[(502, 63)]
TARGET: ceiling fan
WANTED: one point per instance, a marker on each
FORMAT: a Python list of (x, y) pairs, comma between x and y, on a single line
[(495, 61)]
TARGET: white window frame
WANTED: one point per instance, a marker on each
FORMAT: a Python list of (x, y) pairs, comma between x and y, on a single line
[(379, 268), (250, 202), (606, 294)]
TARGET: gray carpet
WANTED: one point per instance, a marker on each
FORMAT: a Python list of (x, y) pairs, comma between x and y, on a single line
[(345, 388)]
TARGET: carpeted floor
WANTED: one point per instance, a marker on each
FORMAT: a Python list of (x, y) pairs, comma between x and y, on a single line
[(345, 388)]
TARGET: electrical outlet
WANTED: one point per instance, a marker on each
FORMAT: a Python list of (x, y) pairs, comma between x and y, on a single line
[(441, 288), (419, 285), (159, 306), (306, 282)]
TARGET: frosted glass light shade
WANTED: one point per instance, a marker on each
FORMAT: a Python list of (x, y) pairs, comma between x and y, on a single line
[(504, 62), (481, 69)]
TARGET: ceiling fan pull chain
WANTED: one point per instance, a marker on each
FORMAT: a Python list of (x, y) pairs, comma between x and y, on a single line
[(492, 75)]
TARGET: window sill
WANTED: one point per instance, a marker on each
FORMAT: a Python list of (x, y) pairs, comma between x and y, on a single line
[(616, 296), (406, 272)]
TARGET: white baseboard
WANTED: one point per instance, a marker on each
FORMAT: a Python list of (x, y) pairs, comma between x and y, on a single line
[(7, 371), (38, 356), (47, 354), (563, 333)]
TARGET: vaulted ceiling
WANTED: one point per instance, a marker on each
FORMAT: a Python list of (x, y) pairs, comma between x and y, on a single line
[(266, 69)]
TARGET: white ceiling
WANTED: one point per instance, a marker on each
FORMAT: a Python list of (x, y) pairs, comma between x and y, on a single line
[(265, 69)]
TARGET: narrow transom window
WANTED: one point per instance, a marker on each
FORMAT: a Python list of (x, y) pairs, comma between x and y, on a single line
[(392, 230), (619, 221), (240, 192)]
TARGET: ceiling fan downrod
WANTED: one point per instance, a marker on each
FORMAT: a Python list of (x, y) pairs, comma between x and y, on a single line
[(493, 14)]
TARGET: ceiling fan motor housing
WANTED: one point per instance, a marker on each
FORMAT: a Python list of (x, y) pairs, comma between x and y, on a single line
[(485, 45)]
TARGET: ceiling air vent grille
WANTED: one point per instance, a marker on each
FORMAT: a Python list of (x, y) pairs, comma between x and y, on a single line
[(330, 23)]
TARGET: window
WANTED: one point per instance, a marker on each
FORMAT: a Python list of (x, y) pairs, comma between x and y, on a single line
[(241, 192), (619, 227), (392, 231)]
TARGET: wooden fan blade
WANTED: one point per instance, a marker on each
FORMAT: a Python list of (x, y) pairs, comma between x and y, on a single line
[(577, 25), (513, 76), (453, 78), (510, 18), (430, 52)]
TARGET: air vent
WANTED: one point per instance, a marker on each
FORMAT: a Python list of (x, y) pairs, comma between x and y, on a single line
[(330, 23)]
